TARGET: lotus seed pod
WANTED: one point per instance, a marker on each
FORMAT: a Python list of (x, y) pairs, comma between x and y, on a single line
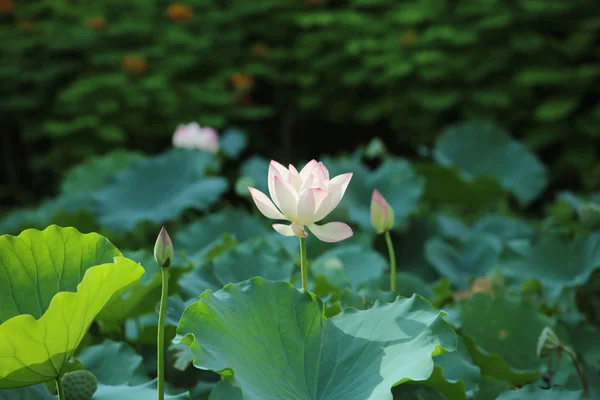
[(79, 385), (548, 343), (163, 249), (589, 215)]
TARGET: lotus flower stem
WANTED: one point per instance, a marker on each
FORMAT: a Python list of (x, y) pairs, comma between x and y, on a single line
[(303, 266), (161, 334), (59, 389), (388, 240)]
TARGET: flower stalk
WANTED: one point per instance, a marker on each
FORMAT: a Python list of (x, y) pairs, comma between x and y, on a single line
[(303, 264), (163, 254), (392, 256)]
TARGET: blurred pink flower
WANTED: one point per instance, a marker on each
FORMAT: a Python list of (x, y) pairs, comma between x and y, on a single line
[(304, 198), (194, 137)]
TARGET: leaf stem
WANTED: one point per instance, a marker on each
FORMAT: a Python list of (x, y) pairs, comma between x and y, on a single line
[(577, 365), (59, 389), (161, 334), (303, 266), (388, 240)]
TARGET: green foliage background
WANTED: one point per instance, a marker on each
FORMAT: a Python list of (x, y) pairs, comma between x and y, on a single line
[(81, 78)]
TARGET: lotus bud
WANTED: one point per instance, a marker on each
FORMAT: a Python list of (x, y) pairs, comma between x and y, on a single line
[(548, 343), (382, 215), (163, 249)]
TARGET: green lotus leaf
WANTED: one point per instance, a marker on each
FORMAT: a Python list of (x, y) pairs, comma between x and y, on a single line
[(233, 142), (410, 249), (34, 392), (141, 298), (444, 186), (66, 209), (159, 189), (126, 392), (395, 179), (531, 392), (414, 392), (257, 169), (95, 172), (114, 363), (464, 261), (497, 226), (491, 388), (501, 333), (255, 257), (484, 150), (195, 238), (555, 264), (349, 266), (454, 374), (54, 284), (274, 342), (224, 390)]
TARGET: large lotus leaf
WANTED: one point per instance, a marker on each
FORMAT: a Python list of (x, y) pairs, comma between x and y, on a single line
[(95, 172), (497, 226), (464, 261), (256, 172), (159, 189), (349, 266), (255, 257), (410, 249), (125, 392), (484, 150), (415, 392), (142, 297), (502, 335), (555, 264), (195, 238), (35, 392), (491, 388), (114, 363), (224, 390), (66, 209), (395, 179), (454, 374), (531, 392), (54, 284), (445, 186), (275, 343)]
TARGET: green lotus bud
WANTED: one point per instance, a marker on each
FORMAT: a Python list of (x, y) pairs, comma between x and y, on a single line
[(79, 385), (589, 215), (163, 249), (548, 343), (382, 215)]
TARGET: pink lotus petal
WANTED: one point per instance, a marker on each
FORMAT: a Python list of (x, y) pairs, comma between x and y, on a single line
[(342, 181), (298, 231), (275, 169), (285, 198), (285, 230), (331, 232), (308, 169), (265, 205)]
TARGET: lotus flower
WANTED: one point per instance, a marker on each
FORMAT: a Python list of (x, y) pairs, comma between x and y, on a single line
[(194, 137), (304, 198)]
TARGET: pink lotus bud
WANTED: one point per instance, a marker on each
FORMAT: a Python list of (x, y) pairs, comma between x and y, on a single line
[(382, 215), (304, 198), (194, 137), (163, 249)]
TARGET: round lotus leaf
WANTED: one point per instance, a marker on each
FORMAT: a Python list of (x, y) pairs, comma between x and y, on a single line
[(54, 283)]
